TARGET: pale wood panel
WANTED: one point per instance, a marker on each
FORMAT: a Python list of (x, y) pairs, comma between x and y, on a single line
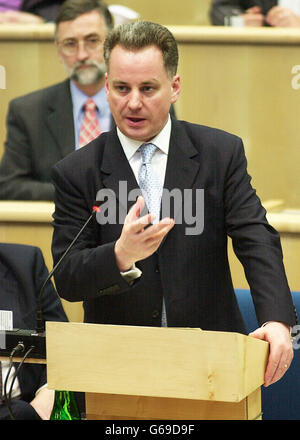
[(288, 225), (26, 361), (156, 362), (245, 88), (120, 407), (30, 59)]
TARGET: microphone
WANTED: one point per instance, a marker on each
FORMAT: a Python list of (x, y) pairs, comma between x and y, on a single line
[(40, 327), (37, 338)]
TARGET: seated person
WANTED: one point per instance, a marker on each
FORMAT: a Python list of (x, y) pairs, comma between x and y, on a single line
[(46, 125), (28, 11), (282, 13), (22, 273)]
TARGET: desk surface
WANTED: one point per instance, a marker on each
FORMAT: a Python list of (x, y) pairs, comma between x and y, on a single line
[(26, 361), (205, 34), (287, 220), (26, 211)]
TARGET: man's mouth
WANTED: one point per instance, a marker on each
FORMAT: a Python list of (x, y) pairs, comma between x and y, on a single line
[(135, 121)]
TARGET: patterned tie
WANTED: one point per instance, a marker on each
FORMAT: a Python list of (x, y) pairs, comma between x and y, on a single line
[(149, 182), (152, 192), (90, 127)]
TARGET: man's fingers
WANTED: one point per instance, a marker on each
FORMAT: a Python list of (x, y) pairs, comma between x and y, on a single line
[(135, 211), (158, 229), (139, 224), (276, 368), (281, 349), (148, 231)]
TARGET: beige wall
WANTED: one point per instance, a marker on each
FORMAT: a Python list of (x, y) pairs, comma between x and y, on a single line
[(30, 60), (169, 12), (240, 81)]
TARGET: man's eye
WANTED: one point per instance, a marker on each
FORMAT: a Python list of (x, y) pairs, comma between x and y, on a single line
[(70, 44), (93, 40), (147, 89), (122, 88)]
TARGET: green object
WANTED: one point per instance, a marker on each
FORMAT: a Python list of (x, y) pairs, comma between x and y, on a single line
[(65, 406)]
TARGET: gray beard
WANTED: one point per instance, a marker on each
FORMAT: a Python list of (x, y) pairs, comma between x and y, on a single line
[(88, 76)]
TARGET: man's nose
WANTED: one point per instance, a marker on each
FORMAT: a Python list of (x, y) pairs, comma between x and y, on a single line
[(82, 53), (135, 101)]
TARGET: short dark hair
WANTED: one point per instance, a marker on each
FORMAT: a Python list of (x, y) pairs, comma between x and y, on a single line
[(72, 9), (140, 34)]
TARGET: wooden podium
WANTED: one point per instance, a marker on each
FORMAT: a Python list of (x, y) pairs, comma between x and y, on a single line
[(157, 373)]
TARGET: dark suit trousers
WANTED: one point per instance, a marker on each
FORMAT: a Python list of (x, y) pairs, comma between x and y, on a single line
[(21, 411)]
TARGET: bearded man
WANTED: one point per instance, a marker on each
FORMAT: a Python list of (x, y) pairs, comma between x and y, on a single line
[(46, 125)]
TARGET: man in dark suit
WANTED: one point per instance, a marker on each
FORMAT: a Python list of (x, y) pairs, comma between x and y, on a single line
[(44, 126), (22, 273), (173, 272), (255, 12)]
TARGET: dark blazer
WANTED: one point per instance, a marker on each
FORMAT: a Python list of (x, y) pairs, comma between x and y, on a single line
[(190, 271), (40, 132), (222, 8), (44, 8), (22, 272)]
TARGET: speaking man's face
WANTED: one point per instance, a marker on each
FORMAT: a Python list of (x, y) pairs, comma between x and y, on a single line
[(80, 47), (140, 91)]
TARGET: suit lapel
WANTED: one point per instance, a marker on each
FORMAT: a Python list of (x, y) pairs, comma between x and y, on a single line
[(117, 173), (182, 169), (59, 118)]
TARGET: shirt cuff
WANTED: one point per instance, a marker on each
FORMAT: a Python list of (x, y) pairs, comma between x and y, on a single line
[(41, 387), (131, 274), (265, 323)]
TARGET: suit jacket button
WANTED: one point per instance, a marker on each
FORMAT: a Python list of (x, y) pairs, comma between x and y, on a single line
[(157, 269), (155, 314)]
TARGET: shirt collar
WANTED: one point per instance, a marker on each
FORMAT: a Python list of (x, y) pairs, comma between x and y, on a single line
[(79, 98), (161, 140)]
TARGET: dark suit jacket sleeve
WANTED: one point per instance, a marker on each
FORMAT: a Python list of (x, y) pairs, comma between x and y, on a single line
[(91, 266), (17, 180), (256, 244)]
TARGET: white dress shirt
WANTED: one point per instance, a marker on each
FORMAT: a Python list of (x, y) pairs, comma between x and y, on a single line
[(160, 157)]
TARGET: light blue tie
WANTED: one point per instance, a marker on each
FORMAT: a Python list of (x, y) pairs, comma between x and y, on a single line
[(152, 192), (148, 180)]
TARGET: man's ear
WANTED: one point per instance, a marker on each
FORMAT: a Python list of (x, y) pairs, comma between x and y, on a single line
[(176, 87)]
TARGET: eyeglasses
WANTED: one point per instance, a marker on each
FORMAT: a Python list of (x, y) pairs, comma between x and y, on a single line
[(70, 47)]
